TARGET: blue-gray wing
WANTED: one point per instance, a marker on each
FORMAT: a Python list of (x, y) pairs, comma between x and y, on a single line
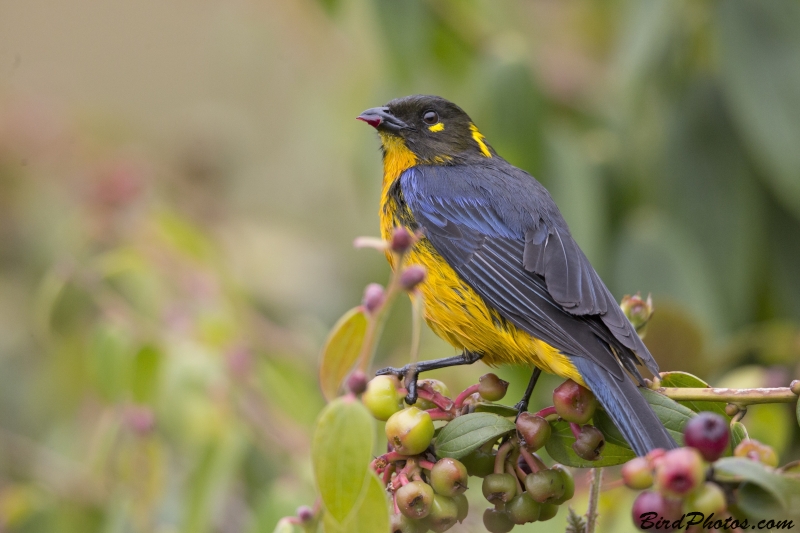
[(501, 232)]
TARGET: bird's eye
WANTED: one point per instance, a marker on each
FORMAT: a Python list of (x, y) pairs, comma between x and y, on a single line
[(430, 117)]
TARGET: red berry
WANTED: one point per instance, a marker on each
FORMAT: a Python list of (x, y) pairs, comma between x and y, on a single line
[(574, 403), (709, 434), (534, 431), (589, 444)]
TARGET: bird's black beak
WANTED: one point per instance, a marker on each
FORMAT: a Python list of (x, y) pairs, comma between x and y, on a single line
[(381, 118)]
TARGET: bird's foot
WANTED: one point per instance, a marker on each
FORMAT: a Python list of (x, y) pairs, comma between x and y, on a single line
[(409, 374)]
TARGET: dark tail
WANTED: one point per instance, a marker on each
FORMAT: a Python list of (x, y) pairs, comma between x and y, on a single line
[(626, 406)]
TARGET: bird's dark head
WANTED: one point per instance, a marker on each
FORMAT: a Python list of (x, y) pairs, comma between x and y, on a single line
[(433, 129)]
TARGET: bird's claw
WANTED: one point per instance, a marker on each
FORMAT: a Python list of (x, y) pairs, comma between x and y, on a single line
[(409, 375)]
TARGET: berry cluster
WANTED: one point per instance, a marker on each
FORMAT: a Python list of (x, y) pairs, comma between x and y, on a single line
[(428, 494), (683, 478)]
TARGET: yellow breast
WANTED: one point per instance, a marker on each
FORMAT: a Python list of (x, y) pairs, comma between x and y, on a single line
[(453, 310)]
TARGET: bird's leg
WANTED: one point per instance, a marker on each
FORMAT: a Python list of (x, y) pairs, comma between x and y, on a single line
[(411, 372), (522, 405)]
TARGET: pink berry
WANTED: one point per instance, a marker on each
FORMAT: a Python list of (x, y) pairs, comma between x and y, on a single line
[(650, 508), (679, 472)]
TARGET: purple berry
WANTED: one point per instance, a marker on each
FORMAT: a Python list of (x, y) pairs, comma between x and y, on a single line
[(709, 434)]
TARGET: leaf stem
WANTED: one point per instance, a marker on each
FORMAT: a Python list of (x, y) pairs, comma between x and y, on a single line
[(466, 393), (547, 411), (500, 459)]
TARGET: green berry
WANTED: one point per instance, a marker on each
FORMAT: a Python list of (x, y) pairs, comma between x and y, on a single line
[(479, 463), (547, 511), (437, 386), (708, 498), (463, 507), (569, 484), (499, 487), (638, 473), (523, 509), (534, 431), (497, 521), (574, 403), (545, 486), (415, 499), (381, 397), (400, 523), (444, 513), (449, 477), (491, 387), (410, 431), (753, 449)]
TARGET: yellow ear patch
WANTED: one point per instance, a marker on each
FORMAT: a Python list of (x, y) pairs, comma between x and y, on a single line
[(439, 126), (478, 137)]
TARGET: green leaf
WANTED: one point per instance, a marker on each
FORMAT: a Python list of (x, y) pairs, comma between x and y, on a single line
[(673, 415), (340, 453), (144, 378), (560, 449), (764, 492), (467, 433), (496, 408), (686, 380), (371, 515), (341, 351), (603, 422), (738, 434), (758, 47)]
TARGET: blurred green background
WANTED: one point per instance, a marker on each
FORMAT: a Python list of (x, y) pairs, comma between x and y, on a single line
[(181, 182)]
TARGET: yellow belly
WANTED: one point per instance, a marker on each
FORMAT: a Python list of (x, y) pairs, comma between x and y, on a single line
[(460, 316)]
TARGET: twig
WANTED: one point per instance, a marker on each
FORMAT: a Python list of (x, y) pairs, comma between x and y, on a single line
[(594, 497), (739, 397), (378, 319)]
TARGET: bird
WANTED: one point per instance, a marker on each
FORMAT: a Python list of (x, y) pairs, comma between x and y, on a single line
[(506, 282)]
